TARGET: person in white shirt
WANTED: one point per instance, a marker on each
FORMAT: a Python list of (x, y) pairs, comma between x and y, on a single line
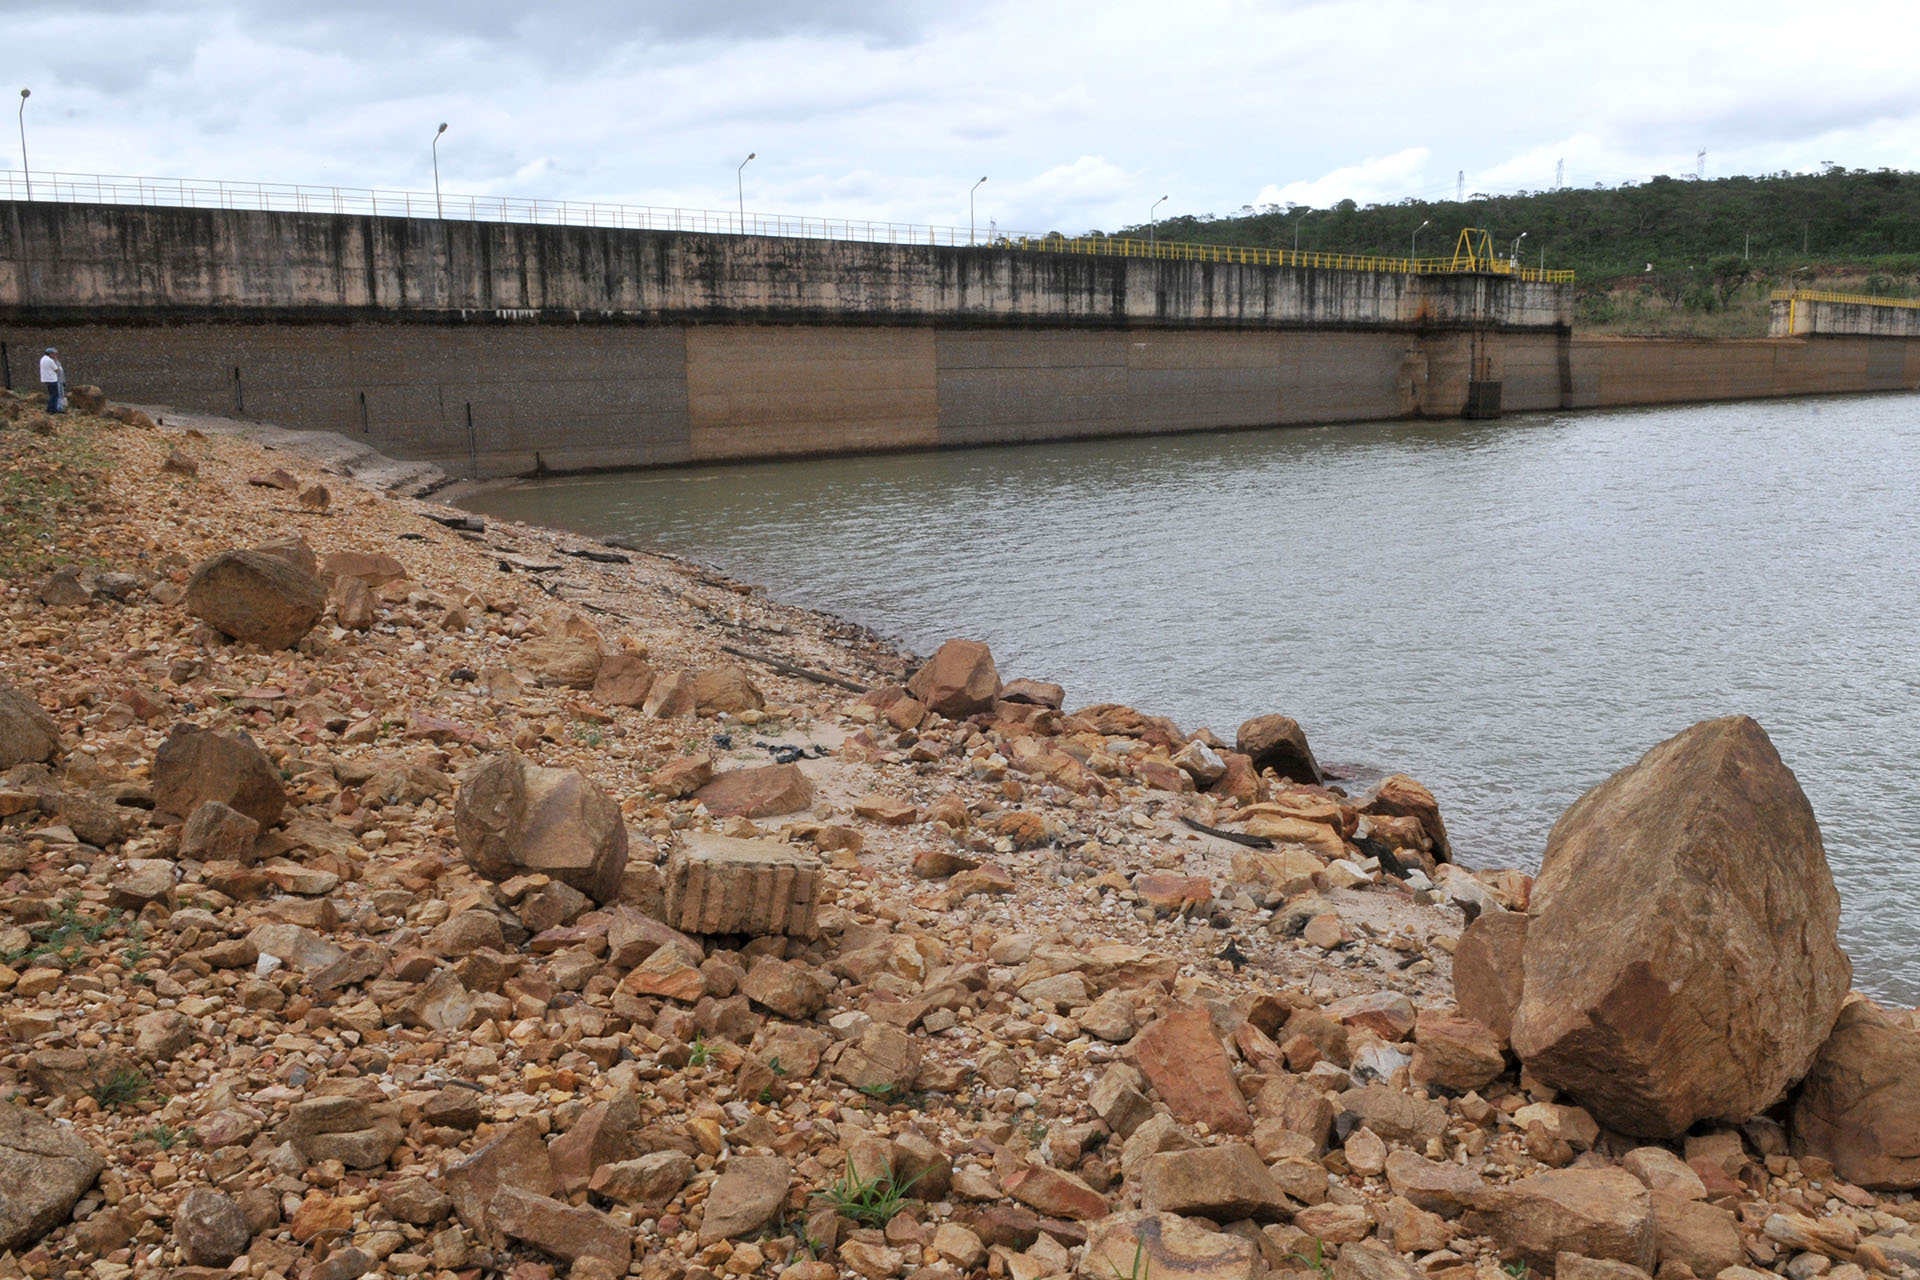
[(54, 377)]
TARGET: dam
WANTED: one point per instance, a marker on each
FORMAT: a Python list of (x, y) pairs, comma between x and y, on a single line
[(497, 348)]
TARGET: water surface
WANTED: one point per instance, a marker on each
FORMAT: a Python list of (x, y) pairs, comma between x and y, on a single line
[(1508, 611)]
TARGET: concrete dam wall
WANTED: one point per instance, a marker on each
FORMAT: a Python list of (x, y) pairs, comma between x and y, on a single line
[(495, 349)]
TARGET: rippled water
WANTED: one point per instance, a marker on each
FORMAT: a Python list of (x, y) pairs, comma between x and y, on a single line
[(1508, 611)]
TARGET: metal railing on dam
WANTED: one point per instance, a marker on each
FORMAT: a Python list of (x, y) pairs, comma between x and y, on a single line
[(1804, 313), (288, 197)]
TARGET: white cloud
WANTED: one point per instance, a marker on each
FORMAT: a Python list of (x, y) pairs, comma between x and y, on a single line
[(1081, 113), (1372, 181)]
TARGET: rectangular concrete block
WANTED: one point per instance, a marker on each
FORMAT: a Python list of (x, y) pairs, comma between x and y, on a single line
[(716, 884)]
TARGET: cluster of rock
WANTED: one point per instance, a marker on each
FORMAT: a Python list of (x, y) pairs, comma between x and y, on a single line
[(352, 925)]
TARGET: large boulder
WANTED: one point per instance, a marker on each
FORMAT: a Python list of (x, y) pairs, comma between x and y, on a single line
[(44, 1169), (195, 765), (1398, 796), (1280, 744), (1860, 1105), (1682, 962), (1489, 969), (1600, 1213), (513, 817), (761, 792), (27, 733), (958, 681), (256, 597), (568, 651)]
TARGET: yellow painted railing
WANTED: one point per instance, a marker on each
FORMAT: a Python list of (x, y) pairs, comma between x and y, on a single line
[(1853, 299), (1244, 254)]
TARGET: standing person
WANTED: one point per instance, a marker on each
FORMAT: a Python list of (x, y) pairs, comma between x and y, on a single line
[(55, 379)]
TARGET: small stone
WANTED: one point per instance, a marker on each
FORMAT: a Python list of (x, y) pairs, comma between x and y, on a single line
[(210, 1228), (1182, 1059), (749, 1193), (514, 817)]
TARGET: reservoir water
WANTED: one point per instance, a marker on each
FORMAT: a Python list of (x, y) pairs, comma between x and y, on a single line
[(1509, 611)]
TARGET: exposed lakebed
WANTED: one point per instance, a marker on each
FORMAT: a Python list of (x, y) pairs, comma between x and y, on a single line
[(1508, 611)]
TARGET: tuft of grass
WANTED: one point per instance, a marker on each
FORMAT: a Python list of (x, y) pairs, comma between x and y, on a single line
[(119, 1088), (1142, 1265), (880, 1092), (871, 1202), (165, 1136), (65, 934), (1318, 1260), (702, 1053)]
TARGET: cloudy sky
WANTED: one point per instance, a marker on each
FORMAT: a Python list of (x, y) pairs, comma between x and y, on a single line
[(1079, 114)]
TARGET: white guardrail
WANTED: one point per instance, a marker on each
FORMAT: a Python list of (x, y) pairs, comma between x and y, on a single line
[(293, 197)]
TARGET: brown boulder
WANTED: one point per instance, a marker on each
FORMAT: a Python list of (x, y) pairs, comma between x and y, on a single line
[(726, 689), (759, 792), (1860, 1105), (749, 1193), (211, 1228), (1682, 962), (1399, 796), (44, 1169), (255, 598), (1224, 1183), (568, 652), (195, 765), (373, 568), (622, 680), (294, 550), (1143, 1244), (683, 776), (1455, 1053), (217, 832), (517, 1158), (27, 733), (1489, 968), (1280, 744), (1038, 693), (512, 817), (958, 681), (561, 1229), (1181, 1057), (1601, 1213), (1703, 1236)]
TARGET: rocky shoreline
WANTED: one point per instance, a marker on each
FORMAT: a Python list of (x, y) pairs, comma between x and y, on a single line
[(501, 904)]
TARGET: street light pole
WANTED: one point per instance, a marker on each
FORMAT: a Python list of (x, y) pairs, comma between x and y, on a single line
[(438, 212), (1151, 224), (1513, 254), (740, 190), (25, 172), (970, 190), (1296, 229), (1413, 245)]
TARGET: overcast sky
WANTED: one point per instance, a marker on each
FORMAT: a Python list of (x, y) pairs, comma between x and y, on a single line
[(1079, 114)]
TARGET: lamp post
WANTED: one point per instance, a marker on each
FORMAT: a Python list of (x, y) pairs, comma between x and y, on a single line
[(1413, 245), (24, 171), (1513, 254), (970, 190), (740, 190), (1151, 224), (438, 212), (1296, 229)]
